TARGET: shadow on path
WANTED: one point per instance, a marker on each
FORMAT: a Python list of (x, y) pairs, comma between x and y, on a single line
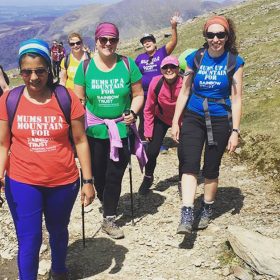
[(99, 255)]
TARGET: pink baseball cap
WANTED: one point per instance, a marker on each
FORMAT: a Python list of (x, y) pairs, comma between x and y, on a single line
[(170, 60)]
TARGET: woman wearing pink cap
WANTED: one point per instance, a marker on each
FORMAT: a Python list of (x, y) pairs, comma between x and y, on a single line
[(111, 85), (158, 113), (211, 100)]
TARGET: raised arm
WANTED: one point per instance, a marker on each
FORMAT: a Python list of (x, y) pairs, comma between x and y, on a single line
[(170, 46)]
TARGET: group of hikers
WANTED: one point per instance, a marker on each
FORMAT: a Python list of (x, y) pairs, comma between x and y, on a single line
[(99, 100)]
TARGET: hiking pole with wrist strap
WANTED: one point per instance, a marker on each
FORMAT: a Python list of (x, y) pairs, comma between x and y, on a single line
[(127, 112)]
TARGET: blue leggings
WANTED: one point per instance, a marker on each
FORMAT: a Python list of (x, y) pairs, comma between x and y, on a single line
[(27, 204)]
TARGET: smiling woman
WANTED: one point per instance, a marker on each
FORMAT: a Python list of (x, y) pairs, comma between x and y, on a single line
[(35, 151)]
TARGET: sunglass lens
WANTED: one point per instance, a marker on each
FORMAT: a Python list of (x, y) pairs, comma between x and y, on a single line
[(220, 35)]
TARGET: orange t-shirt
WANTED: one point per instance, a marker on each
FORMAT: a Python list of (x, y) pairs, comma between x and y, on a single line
[(40, 152)]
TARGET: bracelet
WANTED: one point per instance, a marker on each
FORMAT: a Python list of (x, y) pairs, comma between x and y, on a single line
[(87, 181), (134, 114), (236, 130)]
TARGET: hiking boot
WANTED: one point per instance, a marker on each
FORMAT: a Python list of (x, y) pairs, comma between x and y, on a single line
[(146, 185), (186, 222), (110, 227), (205, 215), (58, 276)]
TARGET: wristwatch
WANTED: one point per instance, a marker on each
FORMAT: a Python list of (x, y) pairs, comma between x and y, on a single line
[(236, 130), (87, 181), (134, 114)]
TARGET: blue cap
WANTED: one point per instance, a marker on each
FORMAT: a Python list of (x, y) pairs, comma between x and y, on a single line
[(35, 46)]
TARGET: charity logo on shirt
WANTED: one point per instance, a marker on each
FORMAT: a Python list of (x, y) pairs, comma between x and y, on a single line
[(40, 129), (211, 75), (150, 65), (107, 89)]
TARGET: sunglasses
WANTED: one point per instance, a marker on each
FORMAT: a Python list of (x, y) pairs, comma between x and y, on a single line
[(104, 40), (170, 66), (72, 44), (220, 35), (38, 72)]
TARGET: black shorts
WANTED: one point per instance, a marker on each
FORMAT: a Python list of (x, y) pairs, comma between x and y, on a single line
[(193, 136)]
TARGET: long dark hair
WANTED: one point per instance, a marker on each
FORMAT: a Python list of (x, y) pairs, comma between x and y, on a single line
[(230, 44), (50, 83)]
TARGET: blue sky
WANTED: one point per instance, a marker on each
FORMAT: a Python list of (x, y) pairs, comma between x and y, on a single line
[(50, 2), (55, 2)]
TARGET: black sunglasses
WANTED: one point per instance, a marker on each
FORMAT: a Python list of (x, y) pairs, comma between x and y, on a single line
[(170, 66), (72, 44), (220, 35), (104, 40), (38, 72)]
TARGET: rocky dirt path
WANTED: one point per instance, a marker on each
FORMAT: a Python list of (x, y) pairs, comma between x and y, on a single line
[(151, 249)]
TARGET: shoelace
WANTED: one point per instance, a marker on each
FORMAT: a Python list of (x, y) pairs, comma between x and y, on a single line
[(207, 211), (187, 215)]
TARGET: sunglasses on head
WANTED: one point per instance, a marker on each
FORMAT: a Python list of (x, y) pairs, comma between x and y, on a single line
[(38, 72), (104, 40), (170, 66), (220, 35), (72, 44)]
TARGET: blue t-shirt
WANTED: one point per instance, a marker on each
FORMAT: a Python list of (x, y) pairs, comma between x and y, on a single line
[(211, 81)]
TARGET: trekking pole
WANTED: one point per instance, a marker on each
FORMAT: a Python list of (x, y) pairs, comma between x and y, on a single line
[(127, 112), (83, 210)]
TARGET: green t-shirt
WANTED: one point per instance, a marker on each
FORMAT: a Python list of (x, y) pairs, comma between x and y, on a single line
[(108, 93)]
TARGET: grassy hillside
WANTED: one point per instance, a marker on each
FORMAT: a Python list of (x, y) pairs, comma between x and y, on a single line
[(257, 24)]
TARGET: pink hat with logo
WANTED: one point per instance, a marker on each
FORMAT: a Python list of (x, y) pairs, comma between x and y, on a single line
[(170, 60)]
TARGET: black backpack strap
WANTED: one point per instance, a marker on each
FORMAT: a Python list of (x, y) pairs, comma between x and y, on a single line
[(6, 78), (157, 91), (67, 61), (198, 59), (231, 64), (64, 101), (85, 65), (12, 102), (126, 62)]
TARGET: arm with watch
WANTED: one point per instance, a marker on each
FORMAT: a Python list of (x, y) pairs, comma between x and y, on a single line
[(83, 152), (136, 103), (236, 100)]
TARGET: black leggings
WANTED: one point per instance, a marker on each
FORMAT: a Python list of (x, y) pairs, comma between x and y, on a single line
[(160, 129), (193, 136), (141, 121), (107, 173)]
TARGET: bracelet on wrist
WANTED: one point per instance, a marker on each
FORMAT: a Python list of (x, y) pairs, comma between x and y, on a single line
[(87, 181), (134, 114), (236, 130)]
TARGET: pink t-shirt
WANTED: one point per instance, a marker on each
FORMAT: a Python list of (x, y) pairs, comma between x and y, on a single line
[(40, 152), (167, 99)]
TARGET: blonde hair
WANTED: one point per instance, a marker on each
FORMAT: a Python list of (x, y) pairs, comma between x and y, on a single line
[(73, 35)]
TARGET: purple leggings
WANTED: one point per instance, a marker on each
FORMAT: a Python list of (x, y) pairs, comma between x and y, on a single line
[(27, 204)]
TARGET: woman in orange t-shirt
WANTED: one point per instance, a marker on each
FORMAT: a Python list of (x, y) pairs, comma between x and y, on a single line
[(38, 158)]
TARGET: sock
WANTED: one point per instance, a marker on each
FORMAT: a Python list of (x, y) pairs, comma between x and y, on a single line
[(209, 202)]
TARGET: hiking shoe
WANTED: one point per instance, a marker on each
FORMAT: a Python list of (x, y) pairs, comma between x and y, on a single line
[(205, 215), (110, 227), (186, 222), (59, 276), (146, 185), (163, 149)]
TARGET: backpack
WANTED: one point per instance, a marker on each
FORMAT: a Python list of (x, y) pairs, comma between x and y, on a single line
[(156, 91), (231, 63), (67, 60), (62, 96), (6, 78)]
